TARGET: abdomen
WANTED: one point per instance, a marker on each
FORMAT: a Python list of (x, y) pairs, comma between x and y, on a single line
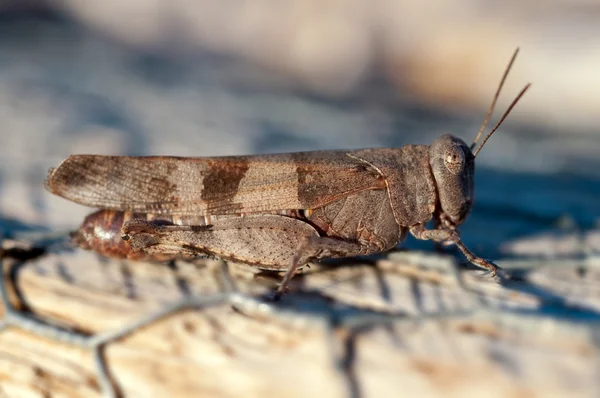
[(101, 233)]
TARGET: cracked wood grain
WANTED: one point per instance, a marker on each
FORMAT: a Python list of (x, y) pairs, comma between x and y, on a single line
[(338, 333)]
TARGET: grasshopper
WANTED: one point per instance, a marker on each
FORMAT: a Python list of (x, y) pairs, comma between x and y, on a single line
[(280, 211)]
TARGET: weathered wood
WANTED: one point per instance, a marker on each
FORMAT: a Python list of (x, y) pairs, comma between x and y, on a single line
[(347, 330)]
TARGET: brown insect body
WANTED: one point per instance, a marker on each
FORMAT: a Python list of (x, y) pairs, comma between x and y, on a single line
[(274, 211), (374, 219)]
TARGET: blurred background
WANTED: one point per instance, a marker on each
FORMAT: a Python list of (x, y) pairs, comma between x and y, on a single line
[(199, 78)]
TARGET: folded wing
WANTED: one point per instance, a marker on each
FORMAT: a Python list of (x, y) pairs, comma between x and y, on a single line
[(220, 185)]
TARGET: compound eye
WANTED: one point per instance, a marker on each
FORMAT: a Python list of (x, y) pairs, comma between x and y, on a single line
[(454, 159)]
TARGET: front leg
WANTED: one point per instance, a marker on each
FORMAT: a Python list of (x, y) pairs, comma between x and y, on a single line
[(439, 246), (448, 235)]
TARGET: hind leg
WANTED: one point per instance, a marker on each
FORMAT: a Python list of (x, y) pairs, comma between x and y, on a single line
[(266, 241)]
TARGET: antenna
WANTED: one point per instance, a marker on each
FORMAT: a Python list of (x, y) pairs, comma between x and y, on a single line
[(512, 105), (491, 108)]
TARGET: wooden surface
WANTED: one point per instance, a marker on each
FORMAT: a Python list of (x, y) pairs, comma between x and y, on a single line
[(351, 330)]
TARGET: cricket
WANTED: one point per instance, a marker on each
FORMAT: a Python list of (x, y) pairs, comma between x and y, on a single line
[(276, 212)]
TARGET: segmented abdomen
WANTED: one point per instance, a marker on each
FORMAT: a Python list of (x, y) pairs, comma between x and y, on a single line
[(101, 233)]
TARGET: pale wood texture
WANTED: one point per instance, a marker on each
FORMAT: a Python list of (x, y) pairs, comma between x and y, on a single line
[(353, 330)]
